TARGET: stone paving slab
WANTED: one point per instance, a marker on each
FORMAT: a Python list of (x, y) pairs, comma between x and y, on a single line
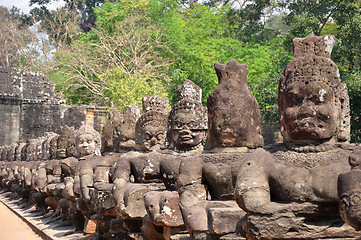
[(43, 226)]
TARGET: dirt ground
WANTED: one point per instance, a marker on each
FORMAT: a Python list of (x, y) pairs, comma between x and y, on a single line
[(13, 228)]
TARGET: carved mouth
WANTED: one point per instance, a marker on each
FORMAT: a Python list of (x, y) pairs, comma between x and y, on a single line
[(186, 138)]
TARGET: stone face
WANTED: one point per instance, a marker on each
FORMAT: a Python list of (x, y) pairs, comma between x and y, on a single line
[(313, 102), (45, 145), (66, 137), (233, 113), (349, 192), (87, 140), (188, 119), (152, 125)]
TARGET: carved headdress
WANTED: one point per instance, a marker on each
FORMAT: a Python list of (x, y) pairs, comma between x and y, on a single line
[(312, 63), (86, 128), (188, 113), (154, 114), (190, 101)]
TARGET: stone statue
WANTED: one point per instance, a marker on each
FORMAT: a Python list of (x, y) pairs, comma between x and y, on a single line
[(349, 192), (188, 120), (206, 182), (66, 142), (126, 129), (186, 137), (150, 134), (18, 150), (235, 120), (46, 145), (289, 190), (109, 134)]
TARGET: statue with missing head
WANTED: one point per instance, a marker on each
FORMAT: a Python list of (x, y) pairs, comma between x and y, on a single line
[(289, 190)]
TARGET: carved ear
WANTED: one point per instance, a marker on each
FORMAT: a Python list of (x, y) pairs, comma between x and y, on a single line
[(353, 160)]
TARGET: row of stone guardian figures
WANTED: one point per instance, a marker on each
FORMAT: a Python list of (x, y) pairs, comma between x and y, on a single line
[(203, 173)]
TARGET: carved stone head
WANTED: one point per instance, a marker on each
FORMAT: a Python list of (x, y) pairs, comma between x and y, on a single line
[(126, 129), (233, 113), (31, 150), (11, 152), (151, 127), (188, 118), (18, 150), (65, 141), (45, 145), (87, 140), (53, 146), (313, 102)]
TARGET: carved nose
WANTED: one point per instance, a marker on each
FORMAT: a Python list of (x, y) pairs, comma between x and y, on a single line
[(185, 132), (154, 141), (307, 110)]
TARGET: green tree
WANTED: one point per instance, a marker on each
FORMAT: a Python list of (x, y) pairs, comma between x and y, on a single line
[(115, 65)]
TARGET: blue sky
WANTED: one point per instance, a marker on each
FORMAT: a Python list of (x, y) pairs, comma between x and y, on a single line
[(24, 4)]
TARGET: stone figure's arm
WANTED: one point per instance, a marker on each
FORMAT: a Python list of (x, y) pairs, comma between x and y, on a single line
[(252, 187), (192, 194), (253, 191), (86, 179), (34, 177), (69, 188), (55, 170), (121, 181), (27, 177)]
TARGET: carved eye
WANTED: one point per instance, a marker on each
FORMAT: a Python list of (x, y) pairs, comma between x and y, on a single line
[(355, 199), (160, 136), (148, 136), (192, 124), (344, 202)]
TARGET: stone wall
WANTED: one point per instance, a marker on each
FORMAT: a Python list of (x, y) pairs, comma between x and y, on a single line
[(29, 107)]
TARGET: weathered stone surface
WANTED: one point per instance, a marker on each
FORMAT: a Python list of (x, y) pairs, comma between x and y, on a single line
[(30, 107), (109, 135), (134, 200), (289, 226), (233, 113), (126, 130), (66, 138), (163, 208), (223, 220), (102, 197), (90, 227)]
